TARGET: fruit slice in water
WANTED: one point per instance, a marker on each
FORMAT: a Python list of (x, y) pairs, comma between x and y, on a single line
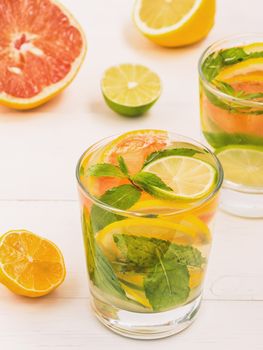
[(30, 265), (134, 147), (189, 178), (150, 228), (42, 48), (130, 89), (244, 76), (174, 22), (242, 164)]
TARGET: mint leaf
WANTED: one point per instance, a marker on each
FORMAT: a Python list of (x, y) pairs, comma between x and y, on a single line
[(100, 270), (139, 250), (251, 96), (212, 65), (167, 285), (122, 197), (123, 166), (233, 55), (105, 170), (143, 252), (225, 88), (184, 255), (187, 152), (151, 183)]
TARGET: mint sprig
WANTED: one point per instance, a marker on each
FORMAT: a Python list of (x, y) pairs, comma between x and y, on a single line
[(143, 180)]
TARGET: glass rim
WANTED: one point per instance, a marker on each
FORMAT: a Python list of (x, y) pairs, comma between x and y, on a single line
[(212, 48), (137, 213)]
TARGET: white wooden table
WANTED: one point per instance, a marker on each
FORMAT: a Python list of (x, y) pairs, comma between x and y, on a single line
[(39, 151)]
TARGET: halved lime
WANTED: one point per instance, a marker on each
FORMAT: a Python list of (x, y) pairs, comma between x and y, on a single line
[(242, 164), (189, 178), (130, 89)]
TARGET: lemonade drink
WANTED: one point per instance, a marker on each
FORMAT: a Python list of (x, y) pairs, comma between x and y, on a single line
[(231, 99), (148, 201)]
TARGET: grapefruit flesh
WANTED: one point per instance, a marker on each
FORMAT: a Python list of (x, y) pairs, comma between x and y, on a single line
[(237, 122), (134, 147), (41, 49)]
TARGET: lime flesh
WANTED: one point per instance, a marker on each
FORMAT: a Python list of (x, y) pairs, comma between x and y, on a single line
[(130, 89)]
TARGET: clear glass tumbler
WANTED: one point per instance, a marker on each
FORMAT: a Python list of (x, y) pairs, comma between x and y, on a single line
[(231, 101), (146, 263)]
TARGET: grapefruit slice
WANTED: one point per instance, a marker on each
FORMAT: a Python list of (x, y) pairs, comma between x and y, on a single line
[(41, 50), (134, 147)]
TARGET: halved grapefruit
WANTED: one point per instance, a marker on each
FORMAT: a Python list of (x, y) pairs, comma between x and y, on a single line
[(41, 50)]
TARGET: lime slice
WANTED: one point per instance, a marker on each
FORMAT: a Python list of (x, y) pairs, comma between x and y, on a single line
[(130, 89), (189, 178), (242, 164)]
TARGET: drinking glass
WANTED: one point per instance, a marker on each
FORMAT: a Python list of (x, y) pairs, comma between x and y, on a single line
[(146, 264), (231, 102)]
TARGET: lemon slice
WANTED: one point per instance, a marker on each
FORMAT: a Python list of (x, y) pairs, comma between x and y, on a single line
[(189, 178), (201, 230), (174, 23), (130, 89), (150, 228), (250, 70), (252, 48), (242, 164), (30, 265)]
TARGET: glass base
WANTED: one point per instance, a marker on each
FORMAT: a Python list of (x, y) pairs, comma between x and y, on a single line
[(146, 325), (249, 205)]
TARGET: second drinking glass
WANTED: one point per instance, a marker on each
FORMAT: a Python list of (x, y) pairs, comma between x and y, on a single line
[(231, 96)]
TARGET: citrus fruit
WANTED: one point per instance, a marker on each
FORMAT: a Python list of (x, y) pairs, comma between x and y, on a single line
[(150, 228), (252, 48), (134, 147), (42, 48), (174, 23), (196, 277), (244, 76), (232, 123), (130, 89), (188, 178), (30, 265), (242, 164)]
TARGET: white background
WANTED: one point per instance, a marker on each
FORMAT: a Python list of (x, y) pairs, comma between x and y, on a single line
[(39, 151)]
